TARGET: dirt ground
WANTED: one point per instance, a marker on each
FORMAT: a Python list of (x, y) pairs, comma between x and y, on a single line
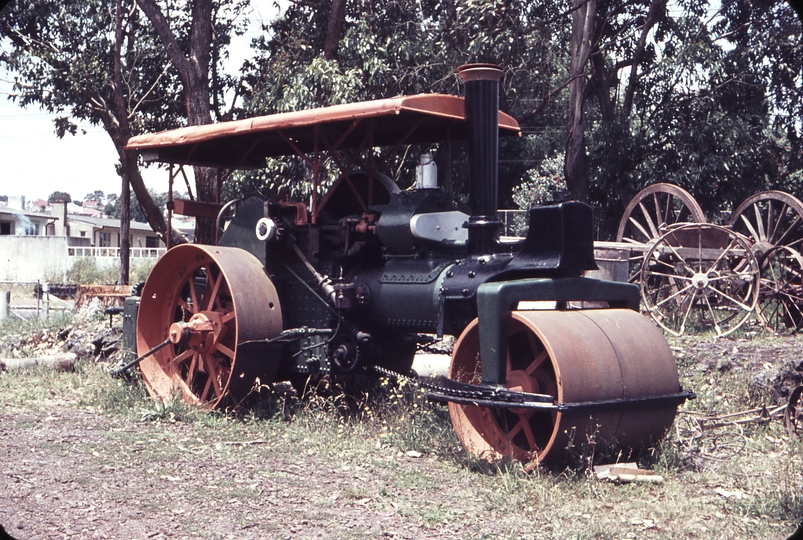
[(58, 481), (68, 470)]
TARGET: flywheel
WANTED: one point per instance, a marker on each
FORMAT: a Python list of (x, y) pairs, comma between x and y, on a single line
[(582, 356), (217, 306)]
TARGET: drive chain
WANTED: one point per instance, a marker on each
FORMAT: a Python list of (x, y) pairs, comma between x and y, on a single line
[(465, 391)]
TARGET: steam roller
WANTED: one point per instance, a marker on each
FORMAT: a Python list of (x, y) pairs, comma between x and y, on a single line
[(546, 360)]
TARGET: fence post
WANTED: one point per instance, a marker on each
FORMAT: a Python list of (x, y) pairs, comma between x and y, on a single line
[(47, 301), (5, 301)]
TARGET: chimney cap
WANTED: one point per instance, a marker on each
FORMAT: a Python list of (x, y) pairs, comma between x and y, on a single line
[(479, 72)]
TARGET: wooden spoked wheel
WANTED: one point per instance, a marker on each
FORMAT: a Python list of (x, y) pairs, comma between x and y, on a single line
[(654, 210), (216, 306), (769, 219), (781, 295), (700, 277), (569, 355)]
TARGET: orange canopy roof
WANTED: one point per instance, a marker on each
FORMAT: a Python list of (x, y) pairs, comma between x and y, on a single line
[(243, 144)]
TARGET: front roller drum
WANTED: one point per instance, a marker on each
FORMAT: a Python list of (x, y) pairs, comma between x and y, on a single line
[(606, 355), (217, 306)]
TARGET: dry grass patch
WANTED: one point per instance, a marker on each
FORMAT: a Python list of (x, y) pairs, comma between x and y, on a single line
[(383, 463)]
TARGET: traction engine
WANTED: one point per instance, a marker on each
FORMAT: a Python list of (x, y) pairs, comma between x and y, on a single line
[(545, 358)]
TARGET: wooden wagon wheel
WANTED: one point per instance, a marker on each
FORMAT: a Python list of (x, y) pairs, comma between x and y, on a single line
[(699, 277), (769, 219), (781, 294), (654, 209), (651, 213)]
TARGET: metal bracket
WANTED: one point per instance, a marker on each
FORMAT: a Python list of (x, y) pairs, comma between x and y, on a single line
[(496, 300)]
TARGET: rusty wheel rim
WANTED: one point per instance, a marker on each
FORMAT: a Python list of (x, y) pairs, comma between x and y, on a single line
[(700, 277), (769, 219), (521, 434), (781, 292), (207, 301)]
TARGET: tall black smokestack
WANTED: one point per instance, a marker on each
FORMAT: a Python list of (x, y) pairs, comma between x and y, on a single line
[(482, 120)]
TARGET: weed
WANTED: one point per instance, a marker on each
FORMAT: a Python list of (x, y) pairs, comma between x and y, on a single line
[(171, 411), (85, 271), (140, 271), (34, 330), (113, 395), (354, 442)]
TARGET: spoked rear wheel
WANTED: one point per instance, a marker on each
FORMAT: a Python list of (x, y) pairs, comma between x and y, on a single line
[(216, 305), (654, 210), (769, 219), (781, 295)]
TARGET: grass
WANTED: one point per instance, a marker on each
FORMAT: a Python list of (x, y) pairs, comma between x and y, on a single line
[(355, 449)]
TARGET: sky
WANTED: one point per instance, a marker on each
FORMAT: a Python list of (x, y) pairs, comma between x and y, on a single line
[(34, 162)]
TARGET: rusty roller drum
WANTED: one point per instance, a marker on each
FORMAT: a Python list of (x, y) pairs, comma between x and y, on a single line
[(575, 356), (217, 306)]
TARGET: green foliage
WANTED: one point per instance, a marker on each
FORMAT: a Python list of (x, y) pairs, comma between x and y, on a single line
[(58, 197), (112, 208), (404, 47), (544, 184), (715, 105), (708, 113), (96, 195), (62, 58), (85, 271)]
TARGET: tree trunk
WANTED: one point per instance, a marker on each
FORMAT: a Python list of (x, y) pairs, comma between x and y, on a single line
[(656, 12), (59, 362), (122, 119), (576, 164), (125, 231), (194, 72), (131, 175), (601, 78), (334, 29), (206, 184), (152, 212)]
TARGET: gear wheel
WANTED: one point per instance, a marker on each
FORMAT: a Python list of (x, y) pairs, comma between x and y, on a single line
[(345, 353)]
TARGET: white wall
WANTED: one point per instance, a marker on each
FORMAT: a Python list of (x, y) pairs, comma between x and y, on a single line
[(48, 258), (28, 258)]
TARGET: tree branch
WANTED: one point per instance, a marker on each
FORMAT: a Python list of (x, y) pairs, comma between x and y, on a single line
[(538, 110), (168, 39), (657, 7)]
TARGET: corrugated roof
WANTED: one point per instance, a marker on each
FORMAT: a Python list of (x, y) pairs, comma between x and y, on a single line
[(108, 222), (13, 211)]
